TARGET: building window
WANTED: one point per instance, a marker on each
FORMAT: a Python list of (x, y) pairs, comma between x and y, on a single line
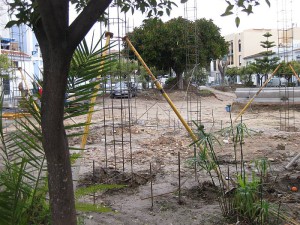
[(215, 65), (240, 46), (231, 47), (15, 64), (6, 85), (240, 60)]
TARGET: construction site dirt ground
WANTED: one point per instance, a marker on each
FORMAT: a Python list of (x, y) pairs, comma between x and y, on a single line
[(156, 138)]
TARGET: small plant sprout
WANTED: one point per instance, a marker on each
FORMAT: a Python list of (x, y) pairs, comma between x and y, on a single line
[(262, 167)]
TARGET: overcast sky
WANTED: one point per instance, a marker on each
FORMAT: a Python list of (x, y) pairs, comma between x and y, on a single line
[(263, 16)]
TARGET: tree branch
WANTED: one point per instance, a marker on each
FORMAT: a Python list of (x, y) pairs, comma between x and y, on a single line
[(41, 36), (55, 19), (85, 20)]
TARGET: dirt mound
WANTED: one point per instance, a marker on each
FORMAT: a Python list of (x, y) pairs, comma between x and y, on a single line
[(111, 176), (205, 191), (166, 140), (175, 95)]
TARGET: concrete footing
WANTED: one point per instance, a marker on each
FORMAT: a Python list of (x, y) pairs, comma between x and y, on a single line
[(269, 95)]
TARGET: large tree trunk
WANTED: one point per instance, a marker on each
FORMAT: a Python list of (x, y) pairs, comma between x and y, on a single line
[(179, 81), (55, 142), (222, 66)]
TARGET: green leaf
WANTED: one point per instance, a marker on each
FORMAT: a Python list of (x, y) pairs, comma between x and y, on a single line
[(227, 13), (149, 13), (125, 8), (248, 10), (12, 23), (237, 21), (168, 12), (240, 3), (229, 8)]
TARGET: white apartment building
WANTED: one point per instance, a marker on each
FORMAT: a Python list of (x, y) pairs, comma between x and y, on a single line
[(244, 47)]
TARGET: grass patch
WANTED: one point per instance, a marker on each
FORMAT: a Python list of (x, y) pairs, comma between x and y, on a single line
[(205, 93), (86, 207), (95, 188), (74, 157)]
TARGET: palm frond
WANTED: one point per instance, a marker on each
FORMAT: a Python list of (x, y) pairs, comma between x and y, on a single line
[(24, 162), (89, 64)]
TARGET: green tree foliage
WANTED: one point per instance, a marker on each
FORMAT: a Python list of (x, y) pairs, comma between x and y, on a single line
[(296, 66), (267, 63), (286, 71), (4, 64), (246, 73), (211, 44), (164, 45), (232, 72)]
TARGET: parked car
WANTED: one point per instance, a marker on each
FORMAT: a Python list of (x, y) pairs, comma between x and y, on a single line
[(124, 90), (277, 82)]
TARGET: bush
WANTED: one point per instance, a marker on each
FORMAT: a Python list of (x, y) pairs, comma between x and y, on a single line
[(249, 84), (170, 80), (206, 93)]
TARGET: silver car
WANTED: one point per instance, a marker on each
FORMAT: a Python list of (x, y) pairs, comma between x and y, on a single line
[(124, 90)]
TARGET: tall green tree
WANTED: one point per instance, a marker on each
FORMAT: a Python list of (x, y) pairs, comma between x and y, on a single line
[(246, 73), (268, 62), (58, 39), (164, 45), (232, 72)]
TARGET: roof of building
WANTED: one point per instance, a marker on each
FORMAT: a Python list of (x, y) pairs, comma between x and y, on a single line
[(15, 53), (254, 56)]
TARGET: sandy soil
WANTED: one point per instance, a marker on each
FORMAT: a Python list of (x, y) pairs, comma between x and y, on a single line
[(153, 135)]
